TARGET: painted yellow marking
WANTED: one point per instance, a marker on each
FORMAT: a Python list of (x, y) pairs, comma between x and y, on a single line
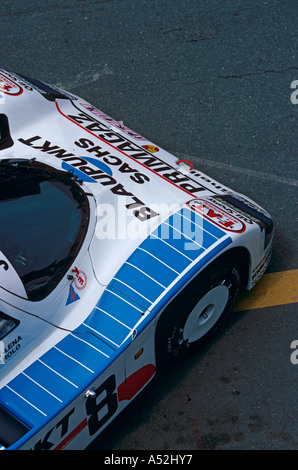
[(273, 289)]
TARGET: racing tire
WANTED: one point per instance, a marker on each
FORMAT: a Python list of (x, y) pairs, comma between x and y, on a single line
[(197, 312)]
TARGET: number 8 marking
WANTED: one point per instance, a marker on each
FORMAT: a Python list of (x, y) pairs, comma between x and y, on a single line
[(110, 402)]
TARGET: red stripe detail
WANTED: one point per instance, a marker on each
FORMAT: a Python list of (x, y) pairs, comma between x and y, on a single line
[(72, 435), (133, 384), (121, 151)]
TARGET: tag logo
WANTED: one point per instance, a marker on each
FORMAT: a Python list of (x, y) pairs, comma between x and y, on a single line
[(88, 171), (80, 279), (217, 215), (72, 296)]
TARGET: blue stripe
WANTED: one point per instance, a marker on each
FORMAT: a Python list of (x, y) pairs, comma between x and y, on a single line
[(182, 281), (137, 285), (19, 408), (179, 242), (165, 252), (155, 269), (108, 326), (50, 379), (130, 293), (66, 366), (119, 307), (83, 351), (147, 287), (88, 333)]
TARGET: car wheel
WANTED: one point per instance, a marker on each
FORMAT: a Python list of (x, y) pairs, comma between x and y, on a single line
[(197, 311)]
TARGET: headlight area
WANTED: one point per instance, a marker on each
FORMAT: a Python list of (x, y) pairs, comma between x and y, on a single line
[(254, 212)]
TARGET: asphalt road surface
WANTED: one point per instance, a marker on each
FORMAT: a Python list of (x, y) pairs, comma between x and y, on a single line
[(209, 81)]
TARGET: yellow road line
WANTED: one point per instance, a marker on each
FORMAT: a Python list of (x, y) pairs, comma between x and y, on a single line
[(273, 289)]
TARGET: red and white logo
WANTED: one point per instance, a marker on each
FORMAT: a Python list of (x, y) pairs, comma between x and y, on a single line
[(80, 279), (9, 87), (217, 215)]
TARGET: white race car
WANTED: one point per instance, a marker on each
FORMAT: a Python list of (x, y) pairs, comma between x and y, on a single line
[(114, 257)]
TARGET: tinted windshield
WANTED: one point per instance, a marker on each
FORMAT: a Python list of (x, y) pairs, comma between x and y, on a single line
[(44, 219)]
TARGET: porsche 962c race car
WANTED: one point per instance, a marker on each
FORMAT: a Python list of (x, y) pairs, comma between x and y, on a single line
[(114, 257)]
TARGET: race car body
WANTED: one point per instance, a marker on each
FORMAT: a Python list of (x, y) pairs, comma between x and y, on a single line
[(103, 236)]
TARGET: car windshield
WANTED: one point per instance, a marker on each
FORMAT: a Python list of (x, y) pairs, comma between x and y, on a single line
[(44, 219)]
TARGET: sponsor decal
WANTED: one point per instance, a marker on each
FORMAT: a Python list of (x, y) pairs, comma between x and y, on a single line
[(151, 148), (110, 159), (217, 215), (80, 279), (60, 431), (72, 296), (9, 87), (12, 347), (99, 409), (85, 177), (112, 121), (130, 149), (90, 169), (225, 203)]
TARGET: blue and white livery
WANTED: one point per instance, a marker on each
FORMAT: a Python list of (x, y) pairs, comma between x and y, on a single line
[(114, 257)]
